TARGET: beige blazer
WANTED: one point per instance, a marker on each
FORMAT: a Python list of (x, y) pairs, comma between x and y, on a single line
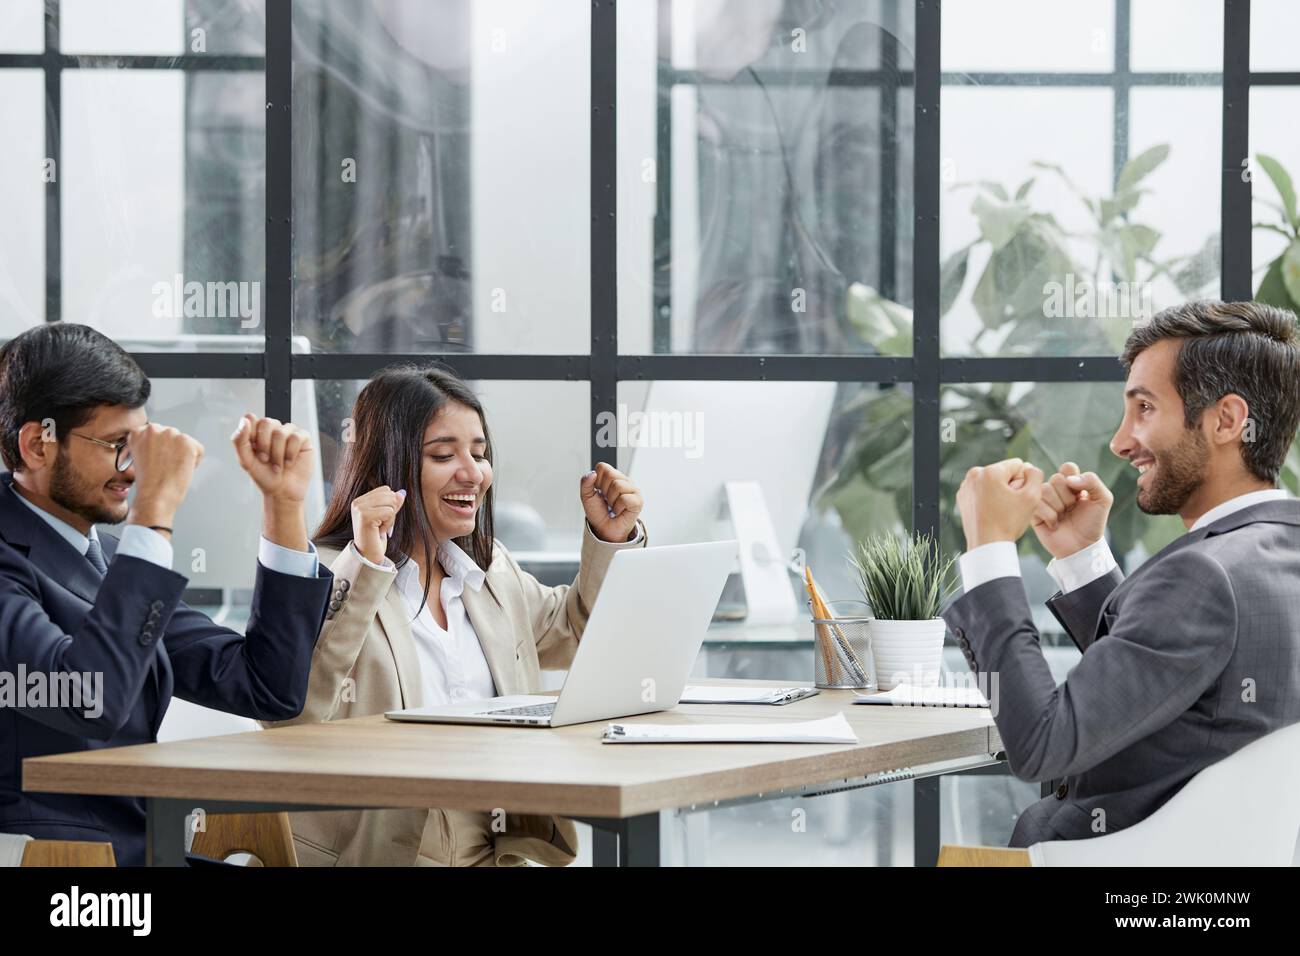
[(365, 663)]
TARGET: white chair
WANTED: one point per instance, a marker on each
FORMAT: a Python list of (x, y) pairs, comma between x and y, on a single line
[(1242, 811)]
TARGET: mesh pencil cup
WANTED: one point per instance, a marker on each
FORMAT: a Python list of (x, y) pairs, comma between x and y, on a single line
[(842, 655)]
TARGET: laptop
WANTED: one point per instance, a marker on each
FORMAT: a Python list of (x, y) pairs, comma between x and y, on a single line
[(636, 651)]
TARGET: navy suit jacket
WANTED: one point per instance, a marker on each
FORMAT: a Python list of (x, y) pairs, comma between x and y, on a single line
[(58, 616)]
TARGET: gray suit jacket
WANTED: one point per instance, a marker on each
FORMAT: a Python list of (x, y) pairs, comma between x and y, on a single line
[(1193, 656)]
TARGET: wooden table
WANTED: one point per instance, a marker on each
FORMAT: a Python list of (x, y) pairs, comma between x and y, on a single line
[(371, 762)]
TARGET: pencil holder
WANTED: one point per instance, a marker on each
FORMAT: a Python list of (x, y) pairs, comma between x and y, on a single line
[(842, 655)]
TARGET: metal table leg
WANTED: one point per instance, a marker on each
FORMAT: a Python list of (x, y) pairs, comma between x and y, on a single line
[(638, 845), (925, 821), (165, 831), (631, 841)]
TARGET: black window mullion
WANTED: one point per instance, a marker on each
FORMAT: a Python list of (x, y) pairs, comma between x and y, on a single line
[(278, 307), (53, 194), (1235, 247), (604, 221), (925, 272), (888, 152)]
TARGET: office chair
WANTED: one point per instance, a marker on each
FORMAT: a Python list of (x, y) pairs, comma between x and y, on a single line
[(68, 853), (1240, 811)]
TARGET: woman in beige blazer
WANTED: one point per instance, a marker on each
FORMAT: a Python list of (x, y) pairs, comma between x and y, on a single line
[(428, 604)]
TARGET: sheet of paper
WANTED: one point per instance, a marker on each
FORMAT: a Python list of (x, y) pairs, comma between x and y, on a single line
[(926, 696), (827, 730)]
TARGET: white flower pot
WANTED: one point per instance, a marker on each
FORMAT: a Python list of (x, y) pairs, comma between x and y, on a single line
[(907, 652)]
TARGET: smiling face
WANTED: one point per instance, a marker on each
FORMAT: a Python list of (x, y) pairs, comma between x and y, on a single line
[(1173, 461), (80, 476), (454, 472)]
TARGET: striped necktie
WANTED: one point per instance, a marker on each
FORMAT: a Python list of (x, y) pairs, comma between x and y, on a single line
[(95, 555)]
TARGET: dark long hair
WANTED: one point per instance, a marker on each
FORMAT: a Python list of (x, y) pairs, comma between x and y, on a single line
[(388, 425)]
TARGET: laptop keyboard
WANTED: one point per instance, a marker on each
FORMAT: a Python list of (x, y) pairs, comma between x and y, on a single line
[(528, 710)]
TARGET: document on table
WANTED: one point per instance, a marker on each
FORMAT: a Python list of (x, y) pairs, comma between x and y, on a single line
[(929, 695), (827, 730), (732, 694)]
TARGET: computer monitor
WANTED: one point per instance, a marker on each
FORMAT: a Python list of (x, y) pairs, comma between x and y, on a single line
[(719, 460)]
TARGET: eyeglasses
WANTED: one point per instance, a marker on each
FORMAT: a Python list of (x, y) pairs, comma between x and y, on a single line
[(121, 461)]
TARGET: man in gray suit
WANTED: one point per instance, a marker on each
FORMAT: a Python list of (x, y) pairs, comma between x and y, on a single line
[(1195, 654)]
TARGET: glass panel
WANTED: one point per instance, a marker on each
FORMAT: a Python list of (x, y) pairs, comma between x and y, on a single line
[(22, 196), (24, 26), (541, 449), (1046, 249), (218, 525), (1275, 148), (999, 253), (1274, 26), (1045, 424), (123, 26), (1177, 35), (1005, 36), (228, 26), (763, 165), (163, 206), (846, 449), (1182, 200), (441, 159), (162, 26)]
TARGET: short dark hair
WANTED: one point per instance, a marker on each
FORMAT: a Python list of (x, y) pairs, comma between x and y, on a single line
[(62, 372), (1234, 348)]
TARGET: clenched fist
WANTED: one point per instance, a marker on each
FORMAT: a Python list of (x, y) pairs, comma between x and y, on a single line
[(611, 502), (998, 501), (276, 455), (163, 460), (373, 516), (1071, 514)]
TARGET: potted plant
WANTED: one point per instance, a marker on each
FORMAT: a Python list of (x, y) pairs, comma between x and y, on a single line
[(905, 581)]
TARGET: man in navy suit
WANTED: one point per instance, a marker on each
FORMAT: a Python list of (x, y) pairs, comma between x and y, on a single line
[(94, 625)]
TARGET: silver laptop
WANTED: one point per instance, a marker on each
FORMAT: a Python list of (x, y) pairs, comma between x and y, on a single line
[(636, 651)]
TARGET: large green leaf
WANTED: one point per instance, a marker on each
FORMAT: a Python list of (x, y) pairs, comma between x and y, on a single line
[(1127, 244), (951, 278), (999, 221), (1013, 284), (1272, 289), (1291, 270), (882, 322), (1118, 205), (1139, 167), (1285, 188)]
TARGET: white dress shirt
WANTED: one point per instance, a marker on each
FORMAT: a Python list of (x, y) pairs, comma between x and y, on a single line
[(137, 541), (998, 559), (453, 667)]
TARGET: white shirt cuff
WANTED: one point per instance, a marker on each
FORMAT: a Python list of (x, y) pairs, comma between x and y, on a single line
[(1083, 567), (997, 559), (275, 557), (137, 541), (386, 566)]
